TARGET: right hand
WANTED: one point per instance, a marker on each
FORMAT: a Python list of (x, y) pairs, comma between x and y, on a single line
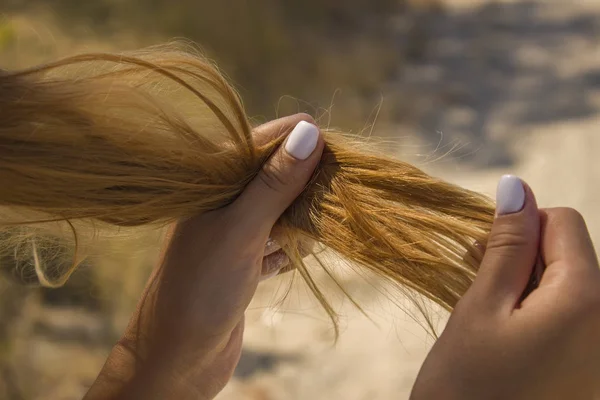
[(185, 338), (545, 347)]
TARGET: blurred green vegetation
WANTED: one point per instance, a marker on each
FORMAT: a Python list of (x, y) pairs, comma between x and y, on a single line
[(7, 33), (310, 50), (467, 72), (302, 49)]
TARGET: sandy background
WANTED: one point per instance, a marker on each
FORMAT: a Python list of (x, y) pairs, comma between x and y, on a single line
[(542, 109), (507, 87)]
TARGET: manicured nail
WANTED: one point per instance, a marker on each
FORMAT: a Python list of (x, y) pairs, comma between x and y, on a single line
[(271, 246), (269, 275), (272, 264), (302, 141), (510, 195)]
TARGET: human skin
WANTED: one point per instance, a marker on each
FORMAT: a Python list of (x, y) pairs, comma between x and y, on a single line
[(185, 338), (496, 346)]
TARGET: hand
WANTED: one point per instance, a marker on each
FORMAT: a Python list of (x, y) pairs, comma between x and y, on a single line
[(189, 325), (545, 347)]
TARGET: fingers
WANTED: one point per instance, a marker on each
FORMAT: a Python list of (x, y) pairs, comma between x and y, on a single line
[(280, 239), (276, 261), (565, 240), (271, 130), (512, 247), (570, 280), (273, 264), (475, 255), (280, 181), (271, 246)]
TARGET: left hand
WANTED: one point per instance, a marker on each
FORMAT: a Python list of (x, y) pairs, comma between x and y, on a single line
[(498, 344), (188, 328)]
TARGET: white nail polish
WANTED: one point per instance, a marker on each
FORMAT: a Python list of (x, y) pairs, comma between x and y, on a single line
[(510, 195), (302, 141), (271, 247), (270, 275)]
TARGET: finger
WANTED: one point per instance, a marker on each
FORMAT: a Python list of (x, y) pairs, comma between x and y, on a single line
[(305, 247), (281, 238), (534, 279), (280, 181), (565, 240), (272, 130), (474, 255), (271, 246), (512, 247), (272, 264)]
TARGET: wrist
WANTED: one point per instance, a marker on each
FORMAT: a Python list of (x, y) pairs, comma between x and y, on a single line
[(125, 375), (118, 371)]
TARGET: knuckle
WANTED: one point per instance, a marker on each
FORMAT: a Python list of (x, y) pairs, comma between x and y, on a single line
[(568, 214), (507, 236), (272, 176)]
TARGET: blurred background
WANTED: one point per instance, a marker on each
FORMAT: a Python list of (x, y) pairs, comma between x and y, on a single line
[(466, 89)]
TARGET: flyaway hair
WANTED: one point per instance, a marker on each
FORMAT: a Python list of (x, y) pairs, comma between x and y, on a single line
[(106, 141)]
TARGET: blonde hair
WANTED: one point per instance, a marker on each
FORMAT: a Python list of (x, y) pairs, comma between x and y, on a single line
[(147, 138)]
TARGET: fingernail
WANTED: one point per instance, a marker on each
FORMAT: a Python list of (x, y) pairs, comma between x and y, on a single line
[(269, 275), (302, 141), (271, 246), (510, 195)]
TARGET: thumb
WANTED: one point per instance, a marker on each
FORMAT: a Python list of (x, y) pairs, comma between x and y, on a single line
[(512, 248), (281, 180)]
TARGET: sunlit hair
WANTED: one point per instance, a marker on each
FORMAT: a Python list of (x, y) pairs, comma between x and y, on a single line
[(99, 141)]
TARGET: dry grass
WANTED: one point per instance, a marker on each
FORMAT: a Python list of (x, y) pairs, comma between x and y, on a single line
[(275, 53)]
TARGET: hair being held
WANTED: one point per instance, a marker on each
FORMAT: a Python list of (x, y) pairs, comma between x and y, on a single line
[(101, 142)]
